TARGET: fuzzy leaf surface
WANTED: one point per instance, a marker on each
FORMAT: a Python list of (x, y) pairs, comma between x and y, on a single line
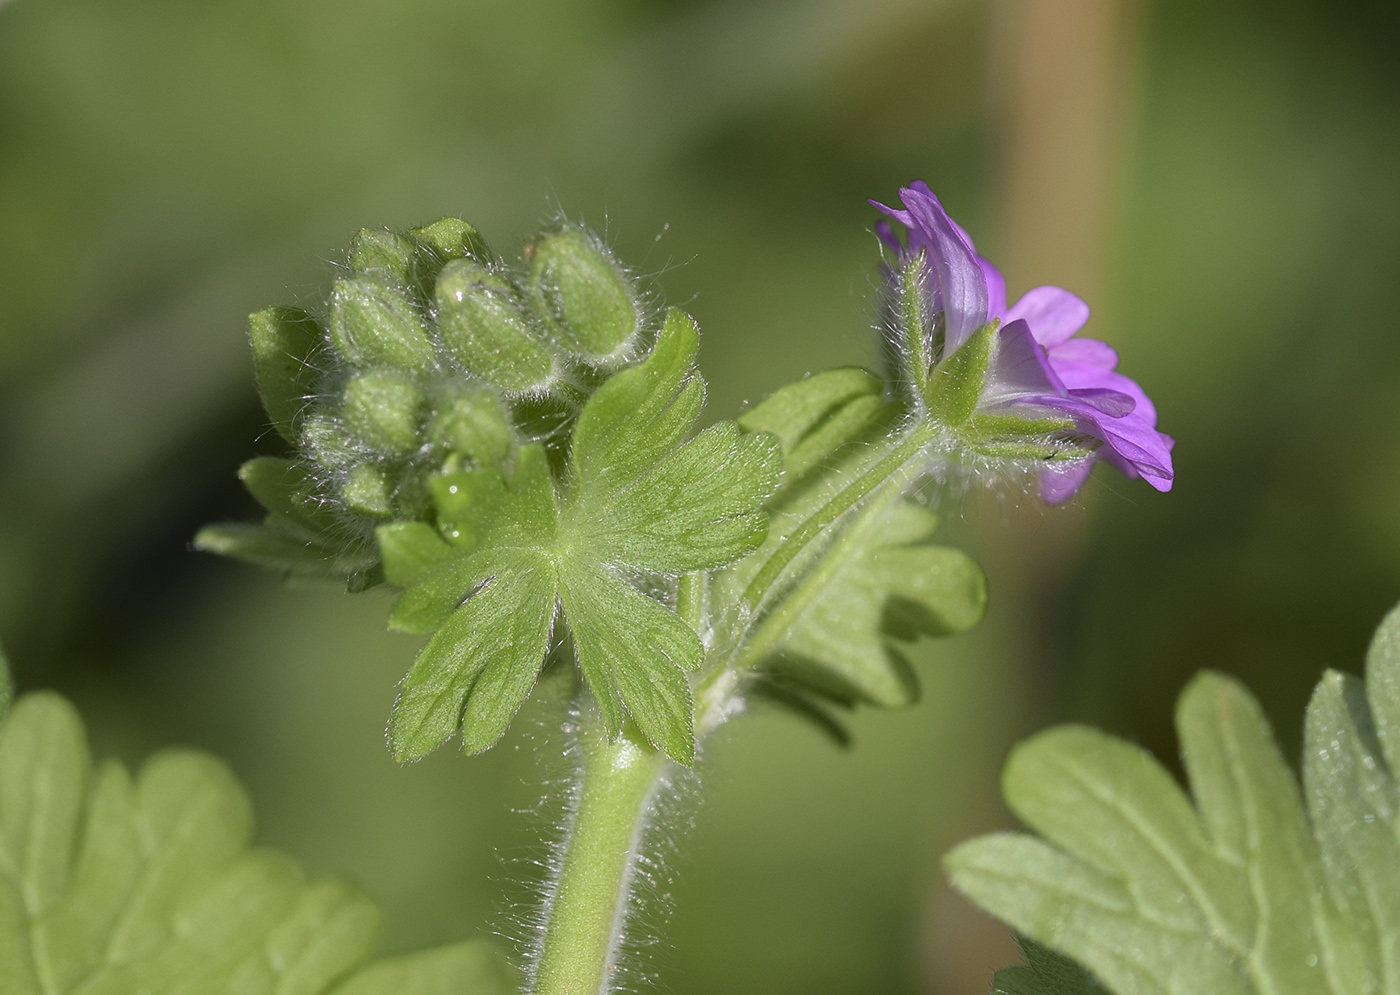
[(111, 885), (1247, 891), (642, 495)]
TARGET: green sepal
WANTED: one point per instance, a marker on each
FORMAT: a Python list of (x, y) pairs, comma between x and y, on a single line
[(582, 294), (891, 587), (1009, 428), (373, 322), (486, 328), (1011, 437), (917, 326), (958, 380), (384, 409), (285, 342), (815, 417), (115, 884), (1025, 452)]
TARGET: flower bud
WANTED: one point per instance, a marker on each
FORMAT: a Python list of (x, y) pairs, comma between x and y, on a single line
[(373, 323), (452, 238), (474, 425), (381, 253), (484, 327), (369, 491), (383, 408), (582, 293)]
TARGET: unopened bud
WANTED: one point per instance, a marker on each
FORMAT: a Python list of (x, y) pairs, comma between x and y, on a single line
[(381, 253), (369, 491), (473, 425), (582, 292), (383, 408), (483, 325), (452, 238), (373, 323)]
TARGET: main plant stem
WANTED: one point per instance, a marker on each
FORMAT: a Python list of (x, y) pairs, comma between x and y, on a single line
[(591, 894)]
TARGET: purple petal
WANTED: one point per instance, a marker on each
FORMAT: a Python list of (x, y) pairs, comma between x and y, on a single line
[(957, 278), (1108, 402), (1020, 368), (1060, 483), (1091, 352), (1053, 313), (996, 288), (1082, 376), (1130, 442)]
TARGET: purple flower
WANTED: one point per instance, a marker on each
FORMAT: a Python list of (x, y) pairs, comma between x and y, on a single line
[(1039, 366)]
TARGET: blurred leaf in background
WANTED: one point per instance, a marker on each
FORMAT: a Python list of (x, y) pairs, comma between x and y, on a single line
[(1217, 178)]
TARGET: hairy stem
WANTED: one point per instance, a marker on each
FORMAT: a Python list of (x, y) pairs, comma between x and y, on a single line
[(591, 893), (894, 463)]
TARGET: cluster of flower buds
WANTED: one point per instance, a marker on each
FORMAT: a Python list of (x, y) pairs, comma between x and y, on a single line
[(430, 356)]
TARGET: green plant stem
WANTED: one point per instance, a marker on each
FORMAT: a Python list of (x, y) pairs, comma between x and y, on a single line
[(894, 463), (589, 905), (856, 535)]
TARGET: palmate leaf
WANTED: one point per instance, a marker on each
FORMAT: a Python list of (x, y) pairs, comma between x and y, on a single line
[(638, 498), (1244, 893), (113, 885), (877, 584), (892, 586)]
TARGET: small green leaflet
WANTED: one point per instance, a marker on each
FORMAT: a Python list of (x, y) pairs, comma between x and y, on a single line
[(640, 496), (111, 885), (297, 536), (1259, 889)]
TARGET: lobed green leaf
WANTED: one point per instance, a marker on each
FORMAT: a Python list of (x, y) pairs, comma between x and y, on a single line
[(883, 588), (110, 886), (1248, 891)]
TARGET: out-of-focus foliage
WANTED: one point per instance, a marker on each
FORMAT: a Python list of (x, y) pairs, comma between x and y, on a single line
[(1260, 887), (167, 168), (118, 884), (1044, 973)]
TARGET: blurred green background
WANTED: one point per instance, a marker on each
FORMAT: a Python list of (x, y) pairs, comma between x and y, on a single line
[(1221, 179)]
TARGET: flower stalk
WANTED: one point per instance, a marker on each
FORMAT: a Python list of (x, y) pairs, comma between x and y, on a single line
[(590, 897)]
